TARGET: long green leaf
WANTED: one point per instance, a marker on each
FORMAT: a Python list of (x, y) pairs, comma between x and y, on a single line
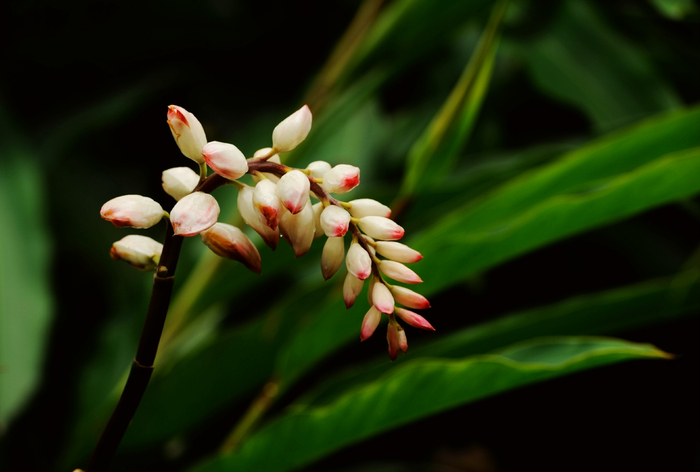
[(25, 257), (415, 390)]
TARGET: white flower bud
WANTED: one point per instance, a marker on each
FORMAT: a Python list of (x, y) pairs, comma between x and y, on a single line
[(230, 242), (132, 211), (292, 131), (318, 209), (298, 229), (179, 181), (318, 169), (380, 228), (188, 132), (275, 159), (367, 207), (194, 213), (358, 262), (409, 298), (225, 159), (335, 221), (370, 323), (397, 252), (341, 178), (399, 272), (293, 190), (352, 286), (267, 202), (252, 217), (139, 251), (414, 319), (382, 299), (332, 257)]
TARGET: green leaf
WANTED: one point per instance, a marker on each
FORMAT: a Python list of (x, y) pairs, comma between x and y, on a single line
[(674, 9), (26, 302), (586, 63), (415, 390), (447, 133)]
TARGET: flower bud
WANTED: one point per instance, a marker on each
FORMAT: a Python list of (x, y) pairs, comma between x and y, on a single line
[(382, 299), (298, 229), (293, 190), (292, 130), (379, 227), (179, 181), (230, 242), (194, 213), (341, 178), (318, 169), (225, 159), (253, 218), (399, 272), (358, 262), (370, 323), (132, 211), (397, 252), (392, 338), (367, 207), (352, 286), (267, 203), (403, 342), (335, 221), (414, 319), (409, 298), (139, 251), (188, 132), (275, 159), (332, 257), (318, 209)]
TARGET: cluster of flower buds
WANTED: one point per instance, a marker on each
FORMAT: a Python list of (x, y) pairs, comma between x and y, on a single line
[(280, 204)]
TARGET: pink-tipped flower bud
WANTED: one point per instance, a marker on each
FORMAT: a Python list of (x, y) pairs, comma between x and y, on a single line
[(392, 338), (267, 203), (397, 252), (318, 209), (139, 251), (293, 190), (352, 286), (414, 319), (318, 169), (332, 257), (341, 178), (194, 213), (399, 272), (403, 341), (132, 211), (335, 221), (253, 218), (358, 262), (409, 298), (382, 299), (225, 159), (379, 227), (188, 132), (370, 323), (367, 207), (292, 130), (179, 181), (298, 229), (276, 159), (230, 242)]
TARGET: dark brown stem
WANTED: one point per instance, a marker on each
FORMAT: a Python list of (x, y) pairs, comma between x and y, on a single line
[(142, 365)]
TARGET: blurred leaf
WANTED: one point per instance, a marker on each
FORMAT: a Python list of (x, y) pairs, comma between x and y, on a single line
[(448, 131), (608, 312), (415, 390), (26, 302), (674, 9), (597, 184), (586, 63)]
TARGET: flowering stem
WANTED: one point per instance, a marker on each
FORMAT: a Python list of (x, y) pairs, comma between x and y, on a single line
[(142, 365)]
